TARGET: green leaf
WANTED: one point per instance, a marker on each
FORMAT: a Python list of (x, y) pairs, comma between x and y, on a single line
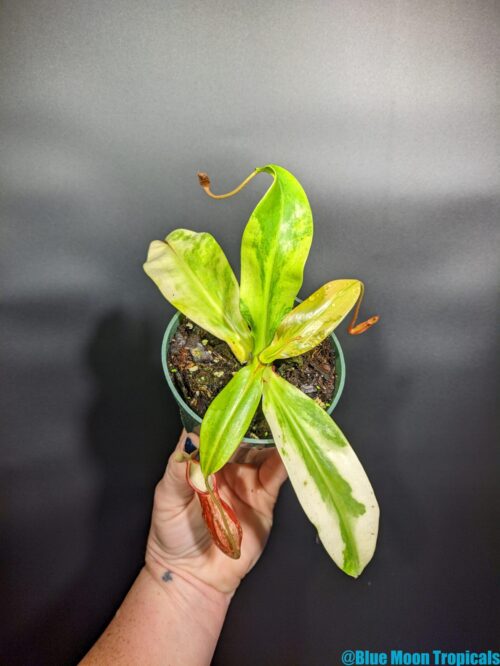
[(274, 249), (327, 477), (313, 320), (192, 272), (228, 417)]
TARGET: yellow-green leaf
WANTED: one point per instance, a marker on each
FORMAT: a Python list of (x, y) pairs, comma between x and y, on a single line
[(326, 474), (274, 249), (228, 417), (313, 320), (192, 272)]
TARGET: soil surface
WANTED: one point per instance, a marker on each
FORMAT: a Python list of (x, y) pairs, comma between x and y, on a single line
[(202, 365)]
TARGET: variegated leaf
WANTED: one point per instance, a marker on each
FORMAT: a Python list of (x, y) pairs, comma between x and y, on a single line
[(228, 417), (327, 477), (192, 272), (274, 249), (313, 320)]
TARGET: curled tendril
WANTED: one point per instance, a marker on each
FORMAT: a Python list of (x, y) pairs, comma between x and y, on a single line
[(205, 184), (357, 329)]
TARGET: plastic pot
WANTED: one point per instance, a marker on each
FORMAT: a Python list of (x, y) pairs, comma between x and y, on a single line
[(250, 450)]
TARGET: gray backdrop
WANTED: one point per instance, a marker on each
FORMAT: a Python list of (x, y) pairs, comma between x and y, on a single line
[(387, 112)]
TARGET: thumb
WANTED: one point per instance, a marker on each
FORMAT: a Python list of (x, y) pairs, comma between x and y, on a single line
[(173, 489)]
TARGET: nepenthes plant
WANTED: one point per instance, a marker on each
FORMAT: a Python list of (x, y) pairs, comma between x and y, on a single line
[(259, 322)]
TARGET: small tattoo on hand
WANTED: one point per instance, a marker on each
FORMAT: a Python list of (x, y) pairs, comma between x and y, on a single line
[(167, 576)]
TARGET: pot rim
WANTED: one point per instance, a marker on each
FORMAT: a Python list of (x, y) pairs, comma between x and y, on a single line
[(169, 332)]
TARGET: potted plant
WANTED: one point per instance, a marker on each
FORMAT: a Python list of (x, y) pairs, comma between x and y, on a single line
[(258, 321)]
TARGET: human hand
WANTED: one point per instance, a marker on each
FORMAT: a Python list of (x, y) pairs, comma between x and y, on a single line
[(179, 540)]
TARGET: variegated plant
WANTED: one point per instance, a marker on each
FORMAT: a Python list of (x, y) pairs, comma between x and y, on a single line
[(257, 321)]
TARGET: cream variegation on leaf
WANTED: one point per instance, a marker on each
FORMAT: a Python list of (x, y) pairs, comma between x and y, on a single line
[(313, 320), (326, 474), (193, 274)]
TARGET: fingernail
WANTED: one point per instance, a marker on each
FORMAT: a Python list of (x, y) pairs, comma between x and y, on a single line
[(189, 447)]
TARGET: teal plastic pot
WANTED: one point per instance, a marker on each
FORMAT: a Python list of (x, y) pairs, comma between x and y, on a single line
[(250, 449)]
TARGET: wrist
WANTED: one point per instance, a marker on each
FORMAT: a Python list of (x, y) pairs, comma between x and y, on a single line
[(194, 609), (194, 592), (164, 618)]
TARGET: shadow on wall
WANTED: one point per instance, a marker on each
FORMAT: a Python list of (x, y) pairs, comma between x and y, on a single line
[(131, 427)]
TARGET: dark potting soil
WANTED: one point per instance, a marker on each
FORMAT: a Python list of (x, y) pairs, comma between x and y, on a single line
[(202, 365)]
